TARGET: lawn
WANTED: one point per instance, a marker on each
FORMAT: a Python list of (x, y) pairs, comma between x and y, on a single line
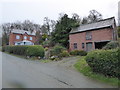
[(83, 68)]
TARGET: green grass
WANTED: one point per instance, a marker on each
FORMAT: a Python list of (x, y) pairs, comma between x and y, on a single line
[(32, 58), (83, 67), (119, 39), (45, 61), (0, 48)]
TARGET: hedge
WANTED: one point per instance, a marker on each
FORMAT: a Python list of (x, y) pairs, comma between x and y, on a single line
[(78, 52), (35, 50), (19, 50), (105, 62)]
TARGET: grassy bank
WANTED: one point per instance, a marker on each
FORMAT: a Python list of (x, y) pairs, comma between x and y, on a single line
[(32, 58), (83, 67)]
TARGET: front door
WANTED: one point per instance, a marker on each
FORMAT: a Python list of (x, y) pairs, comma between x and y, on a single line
[(89, 46)]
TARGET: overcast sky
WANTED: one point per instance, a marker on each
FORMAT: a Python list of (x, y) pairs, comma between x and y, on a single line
[(36, 10)]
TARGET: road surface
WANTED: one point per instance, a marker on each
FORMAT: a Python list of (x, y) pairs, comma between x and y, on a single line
[(21, 73)]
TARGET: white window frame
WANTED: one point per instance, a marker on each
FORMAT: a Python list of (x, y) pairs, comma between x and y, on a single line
[(17, 37), (31, 38), (25, 37)]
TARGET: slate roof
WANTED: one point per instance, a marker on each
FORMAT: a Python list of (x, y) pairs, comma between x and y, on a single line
[(22, 32), (94, 26)]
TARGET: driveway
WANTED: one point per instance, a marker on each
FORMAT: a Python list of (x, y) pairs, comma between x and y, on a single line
[(21, 73)]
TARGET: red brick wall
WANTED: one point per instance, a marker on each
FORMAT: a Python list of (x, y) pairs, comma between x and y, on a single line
[(28, 37), (12, 38), (97, 35)]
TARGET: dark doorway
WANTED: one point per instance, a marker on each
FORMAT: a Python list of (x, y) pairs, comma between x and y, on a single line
[(100, 45)]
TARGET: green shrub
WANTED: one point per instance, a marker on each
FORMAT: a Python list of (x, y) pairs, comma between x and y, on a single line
[(56, 50), (111, 45), (82, 66), (64, 54), (8, 49), (105, 62), (78, 52), (19, 50), (46, 49), (46, 43), (3, 48), (35, 50)]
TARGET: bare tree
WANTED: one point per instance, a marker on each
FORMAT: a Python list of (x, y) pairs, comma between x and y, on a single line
[(44, 29), (52, 25), (47, 24), (76, 17), (84, 20), (38, 37), (26, 25), (94, 16)]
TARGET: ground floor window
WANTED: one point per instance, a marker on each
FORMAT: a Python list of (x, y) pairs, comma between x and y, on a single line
[(75, 45), (83, 45)]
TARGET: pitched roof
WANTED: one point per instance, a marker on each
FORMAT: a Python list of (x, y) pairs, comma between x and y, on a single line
[(94, 26), (22, 32)]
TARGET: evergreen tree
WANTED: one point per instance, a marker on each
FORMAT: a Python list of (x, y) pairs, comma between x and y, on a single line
[(62, 29)]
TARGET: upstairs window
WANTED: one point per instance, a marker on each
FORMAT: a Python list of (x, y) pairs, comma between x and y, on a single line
[(17, 37), (30, 38), (25, 37), (88, 35), (75, 45)]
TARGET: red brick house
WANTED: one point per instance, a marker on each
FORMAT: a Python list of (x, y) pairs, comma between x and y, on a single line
[(22, 37), (93, 36)]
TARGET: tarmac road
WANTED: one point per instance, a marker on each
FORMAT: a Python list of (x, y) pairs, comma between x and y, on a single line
[(21, 73)]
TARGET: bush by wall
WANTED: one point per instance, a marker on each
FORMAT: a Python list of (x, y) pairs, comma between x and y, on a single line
[(35, 50), (105, 62), (78, 52), (112, 45)]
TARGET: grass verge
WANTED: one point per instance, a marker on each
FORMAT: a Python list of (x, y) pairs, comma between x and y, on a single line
[(45, 61), (32, 58), (83, 67)]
